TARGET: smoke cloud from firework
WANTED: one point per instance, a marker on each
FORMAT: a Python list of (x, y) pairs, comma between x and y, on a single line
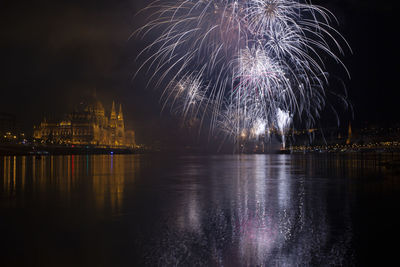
[(245, 66)]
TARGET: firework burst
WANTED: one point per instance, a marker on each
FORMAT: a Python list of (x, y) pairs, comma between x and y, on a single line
[(249, 66)]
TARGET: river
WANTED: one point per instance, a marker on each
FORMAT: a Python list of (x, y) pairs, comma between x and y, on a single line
[(201, 210)]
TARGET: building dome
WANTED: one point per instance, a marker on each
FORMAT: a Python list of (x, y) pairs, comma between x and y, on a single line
[(92, 106), (98, 109)]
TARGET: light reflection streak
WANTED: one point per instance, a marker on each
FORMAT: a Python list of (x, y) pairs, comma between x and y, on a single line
[(283, 183), (72, 166), (87, 164), (5, 172), (14, 172), (111, 163), (23, 174)]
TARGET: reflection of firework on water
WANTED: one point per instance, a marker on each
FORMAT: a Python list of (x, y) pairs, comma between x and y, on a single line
[(242, 62)]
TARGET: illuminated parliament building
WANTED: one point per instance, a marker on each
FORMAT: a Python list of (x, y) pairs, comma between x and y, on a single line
[(88, 125)]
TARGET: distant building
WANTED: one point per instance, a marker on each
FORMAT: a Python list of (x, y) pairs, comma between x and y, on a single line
[(88, 125), (349, 135)]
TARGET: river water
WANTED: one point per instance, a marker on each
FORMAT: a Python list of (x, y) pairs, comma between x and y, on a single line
[(222, 210)]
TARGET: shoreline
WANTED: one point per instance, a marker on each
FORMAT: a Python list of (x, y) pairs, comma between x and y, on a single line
[(43, 150)]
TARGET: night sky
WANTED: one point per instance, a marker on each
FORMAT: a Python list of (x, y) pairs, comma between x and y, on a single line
[(54, 52)]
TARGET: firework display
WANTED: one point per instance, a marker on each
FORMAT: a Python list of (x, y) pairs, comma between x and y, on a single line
[(251, 67)]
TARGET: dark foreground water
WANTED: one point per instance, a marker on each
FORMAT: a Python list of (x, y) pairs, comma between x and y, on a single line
[(235, 210)]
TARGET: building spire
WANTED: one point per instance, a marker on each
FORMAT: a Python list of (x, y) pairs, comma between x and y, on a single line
[(113, 115), (120, 122), (120, 115), (349, 134)]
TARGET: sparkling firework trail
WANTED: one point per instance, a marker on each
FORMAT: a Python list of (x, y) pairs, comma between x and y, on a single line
[(248, 66), (283, 120)]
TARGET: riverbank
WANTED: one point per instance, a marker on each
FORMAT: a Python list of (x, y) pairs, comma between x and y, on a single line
[(22, 149)]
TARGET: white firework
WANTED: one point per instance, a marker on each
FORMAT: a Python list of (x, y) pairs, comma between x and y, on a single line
[(236, 62)]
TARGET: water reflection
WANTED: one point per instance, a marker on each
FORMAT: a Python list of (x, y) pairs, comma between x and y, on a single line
[(99, 178), (242, 210), (258, 213)]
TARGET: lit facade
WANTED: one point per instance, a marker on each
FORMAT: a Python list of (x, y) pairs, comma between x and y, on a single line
[(88, 125)]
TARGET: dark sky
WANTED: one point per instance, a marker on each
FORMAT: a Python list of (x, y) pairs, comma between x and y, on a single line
[(53, 52)]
